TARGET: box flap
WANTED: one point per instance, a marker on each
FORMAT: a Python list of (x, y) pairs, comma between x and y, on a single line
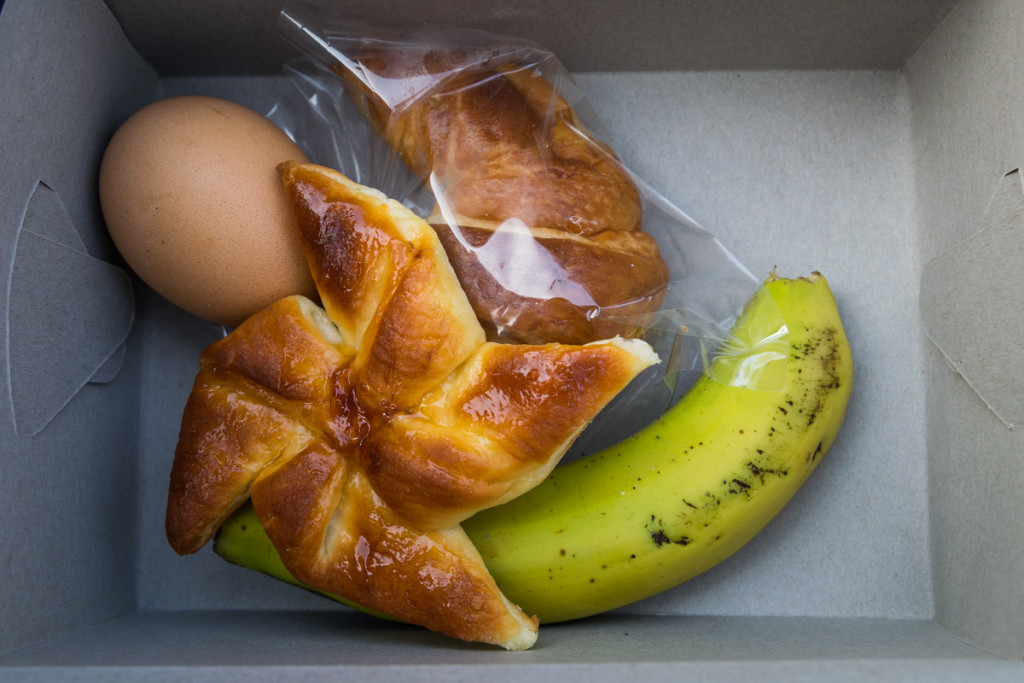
[(966, 294), (68, 305), (68, 314)]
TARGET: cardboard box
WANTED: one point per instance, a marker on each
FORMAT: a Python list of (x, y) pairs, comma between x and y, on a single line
[(876, 142)]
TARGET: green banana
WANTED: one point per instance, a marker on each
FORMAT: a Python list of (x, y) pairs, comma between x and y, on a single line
[(677, 497)]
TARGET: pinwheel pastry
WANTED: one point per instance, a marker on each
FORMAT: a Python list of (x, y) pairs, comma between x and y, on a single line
[(365, 431)]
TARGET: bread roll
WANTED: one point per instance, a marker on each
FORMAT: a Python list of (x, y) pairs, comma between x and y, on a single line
[(542, 223)]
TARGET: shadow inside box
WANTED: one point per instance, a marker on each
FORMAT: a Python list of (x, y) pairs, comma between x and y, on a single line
[(244, 638), (344, 637), (623, 637)]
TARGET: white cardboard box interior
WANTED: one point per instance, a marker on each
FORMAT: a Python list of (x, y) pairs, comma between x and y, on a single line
[(871, 160)]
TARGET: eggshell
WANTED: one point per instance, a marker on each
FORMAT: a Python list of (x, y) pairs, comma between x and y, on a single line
[(191, 196)]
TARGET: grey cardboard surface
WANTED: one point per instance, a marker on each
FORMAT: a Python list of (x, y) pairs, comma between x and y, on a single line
[(907, 531), (66, 528), (195, 37), (967, 91), (297, 645), (964, 293), (88, 314)]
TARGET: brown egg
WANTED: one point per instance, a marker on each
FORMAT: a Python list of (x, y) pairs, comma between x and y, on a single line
[(191, 196)]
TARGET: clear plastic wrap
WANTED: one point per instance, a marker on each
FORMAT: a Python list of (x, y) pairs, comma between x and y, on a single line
[(489, 139)]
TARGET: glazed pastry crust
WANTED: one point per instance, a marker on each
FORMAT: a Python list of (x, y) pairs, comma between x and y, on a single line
[(365, 431)]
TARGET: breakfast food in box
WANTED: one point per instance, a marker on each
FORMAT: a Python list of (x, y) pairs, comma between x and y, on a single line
[(366, 431)]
